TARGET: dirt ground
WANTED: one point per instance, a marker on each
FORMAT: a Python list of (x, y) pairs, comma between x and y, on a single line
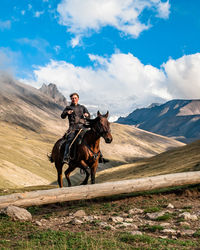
[(176, 215)]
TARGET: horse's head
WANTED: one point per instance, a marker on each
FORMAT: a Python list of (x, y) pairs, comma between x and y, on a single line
[(101, 126)]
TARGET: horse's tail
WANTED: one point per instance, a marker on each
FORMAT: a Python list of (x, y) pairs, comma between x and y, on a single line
[(50, 158)]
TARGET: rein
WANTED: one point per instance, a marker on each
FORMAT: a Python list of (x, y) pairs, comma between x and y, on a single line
[(95, 155)]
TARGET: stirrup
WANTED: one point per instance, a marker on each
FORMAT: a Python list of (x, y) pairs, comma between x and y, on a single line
[(66, 160)]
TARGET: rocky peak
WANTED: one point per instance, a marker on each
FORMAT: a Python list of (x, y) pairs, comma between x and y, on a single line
[(52, 91)]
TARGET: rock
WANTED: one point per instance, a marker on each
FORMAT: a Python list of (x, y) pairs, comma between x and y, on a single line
[(38, 223), (76, 221), (136, 211), (188, 216), (187, 232), (154, 216), (170, 206), (163, 237), (136, 233), (128, 220), (79, 213), (90, 218), (169, 231), (117, 219), (165, 225), (184, 224), (17, 213)]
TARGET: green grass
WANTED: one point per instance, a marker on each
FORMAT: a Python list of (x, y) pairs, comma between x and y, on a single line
[(25, 235), (152, 209), (149, 242), (153, 228), (164, 217)]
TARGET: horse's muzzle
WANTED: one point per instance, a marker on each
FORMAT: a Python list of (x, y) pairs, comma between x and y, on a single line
[(108, 140)]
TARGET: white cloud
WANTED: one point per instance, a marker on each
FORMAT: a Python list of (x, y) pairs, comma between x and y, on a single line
[(80, 17), (119, 83), (163, 10), (9, 60), (39, 44), (5, 24), (38, 13), (23, 12), (122, 83), (57, 49), (183, 76)]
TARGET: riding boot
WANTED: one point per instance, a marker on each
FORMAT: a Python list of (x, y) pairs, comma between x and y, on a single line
[(102, 159), (66, 156)]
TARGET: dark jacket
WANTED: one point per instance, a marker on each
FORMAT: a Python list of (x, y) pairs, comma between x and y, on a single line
[(76, 119)]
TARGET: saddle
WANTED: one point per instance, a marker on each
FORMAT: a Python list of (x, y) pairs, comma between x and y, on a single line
[(76, 141)]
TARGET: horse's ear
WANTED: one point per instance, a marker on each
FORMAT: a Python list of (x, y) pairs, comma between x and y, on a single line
[(98, 113), (106, 115)]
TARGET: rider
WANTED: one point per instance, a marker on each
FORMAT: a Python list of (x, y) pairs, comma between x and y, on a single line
[(76, 114)]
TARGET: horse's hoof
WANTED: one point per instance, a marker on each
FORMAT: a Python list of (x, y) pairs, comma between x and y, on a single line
[(84, 183)]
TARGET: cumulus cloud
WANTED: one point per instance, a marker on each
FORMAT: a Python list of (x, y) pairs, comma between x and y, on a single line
[(183, 76), (121, 82), (5, 24), (80, 17)]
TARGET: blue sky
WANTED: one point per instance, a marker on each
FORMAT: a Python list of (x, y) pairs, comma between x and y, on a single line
[(119, 54)]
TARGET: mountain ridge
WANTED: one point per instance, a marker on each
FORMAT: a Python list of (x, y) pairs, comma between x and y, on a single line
[(179, 119)]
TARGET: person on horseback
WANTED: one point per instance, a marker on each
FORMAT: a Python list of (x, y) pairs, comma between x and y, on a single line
[(77, 115)]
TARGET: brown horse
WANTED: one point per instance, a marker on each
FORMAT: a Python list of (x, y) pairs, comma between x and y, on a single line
[(87, 153)]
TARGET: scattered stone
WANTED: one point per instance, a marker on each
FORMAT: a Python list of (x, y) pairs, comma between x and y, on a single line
[(136, 233), (154, 216), (169, 231), (165, 225), (117, 219), (128, 220), (90, 218), (170, 206), (79, 213), (76, 221), (188, 216), (38, 223), (184, 224), (136, 211), (187, 232), (17, 213), (163, 237)]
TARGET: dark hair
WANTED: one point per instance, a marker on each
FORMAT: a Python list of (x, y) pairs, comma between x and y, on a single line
[(74, 94)]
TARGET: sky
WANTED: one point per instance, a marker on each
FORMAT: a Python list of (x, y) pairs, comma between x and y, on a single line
[(119, 55)]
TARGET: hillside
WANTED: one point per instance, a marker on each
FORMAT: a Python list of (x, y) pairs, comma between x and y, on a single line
[(185, 158), (179, 119), (30, 125)]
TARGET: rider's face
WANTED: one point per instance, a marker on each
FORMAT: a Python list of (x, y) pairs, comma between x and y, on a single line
[(74, 99)]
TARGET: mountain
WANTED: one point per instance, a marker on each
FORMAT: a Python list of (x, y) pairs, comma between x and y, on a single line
[(179, 119), (52, 91), (30, 125), (27, 107)]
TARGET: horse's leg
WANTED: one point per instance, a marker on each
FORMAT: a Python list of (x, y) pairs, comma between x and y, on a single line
[(68, 172), (93, 171), (59, 172), (85, 167)]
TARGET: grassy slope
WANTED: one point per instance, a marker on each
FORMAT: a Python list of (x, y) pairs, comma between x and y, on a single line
[(23, 153), (185, 158), (23, 157)]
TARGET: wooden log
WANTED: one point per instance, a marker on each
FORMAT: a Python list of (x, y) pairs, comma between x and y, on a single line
[(99, 190)]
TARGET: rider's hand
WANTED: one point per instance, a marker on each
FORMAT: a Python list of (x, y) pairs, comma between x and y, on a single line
[(86, 114), (69, 112)]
